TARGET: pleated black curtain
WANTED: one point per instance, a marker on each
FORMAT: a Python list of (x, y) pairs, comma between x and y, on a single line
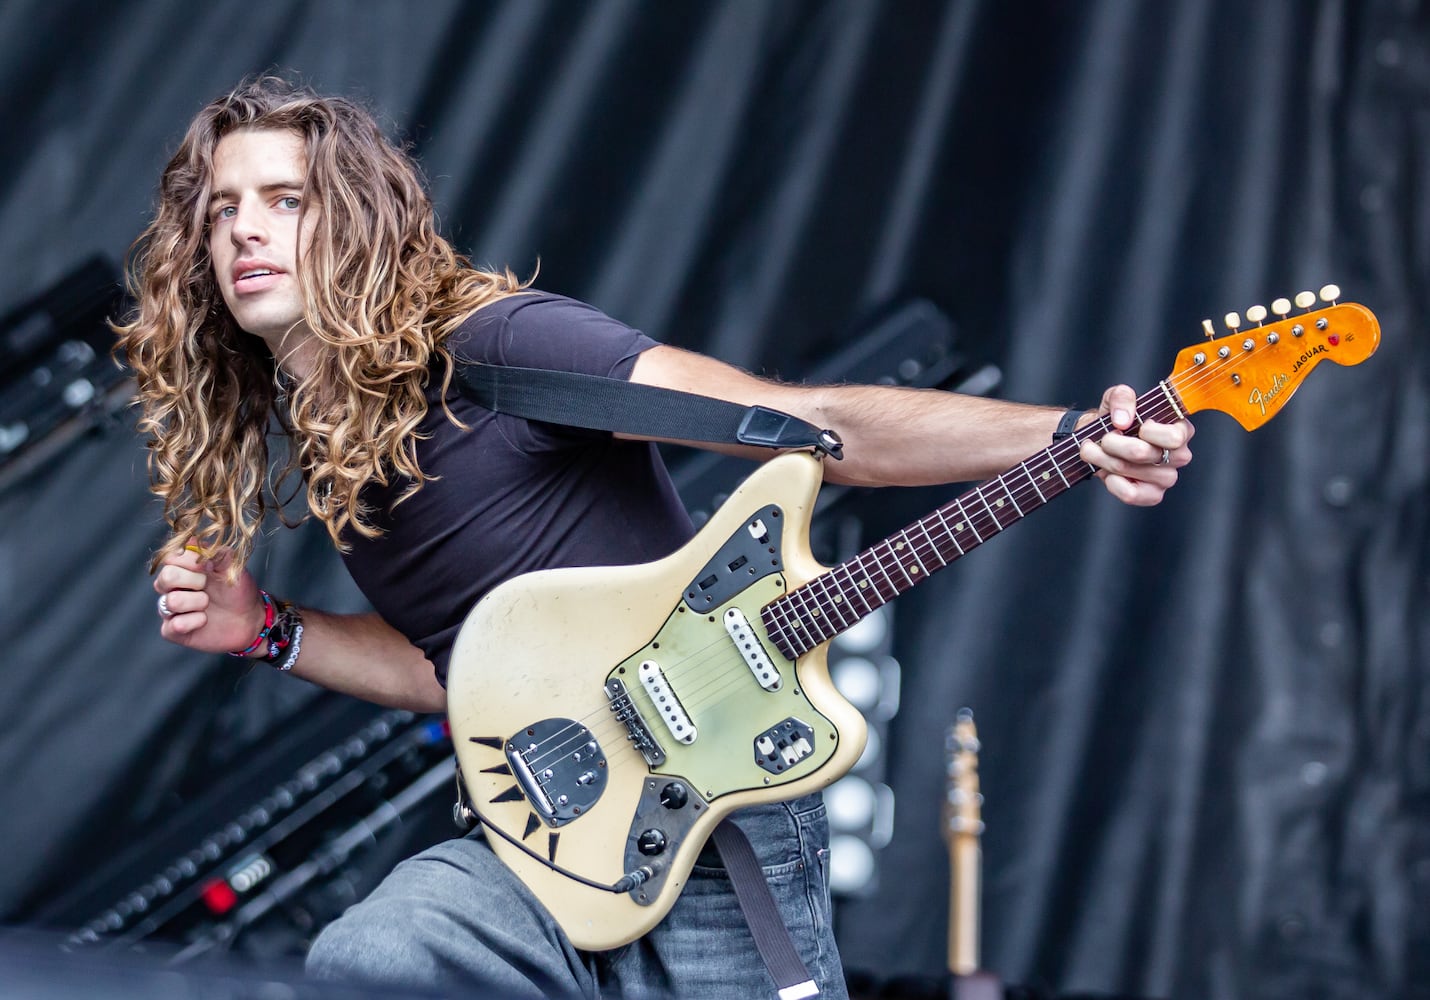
[(1206, 727)]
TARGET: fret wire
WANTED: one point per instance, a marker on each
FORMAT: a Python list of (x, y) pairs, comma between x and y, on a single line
[(894, 590), (897, 562), (1058, 467), (1033, 482), (968, 520), (830, 603), (922, 523), (809, 618), (1011, 499), (854, 587), (952, 535), (914, 551)]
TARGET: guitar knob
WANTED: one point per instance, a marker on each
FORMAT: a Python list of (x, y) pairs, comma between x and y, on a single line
[(651, 843), (674, 795)]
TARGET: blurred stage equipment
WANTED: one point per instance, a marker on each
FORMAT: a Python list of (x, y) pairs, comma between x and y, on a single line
[(289, 855), (57, 378)]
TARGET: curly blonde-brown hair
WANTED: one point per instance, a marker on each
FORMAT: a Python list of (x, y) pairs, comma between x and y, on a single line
[(382, 291)]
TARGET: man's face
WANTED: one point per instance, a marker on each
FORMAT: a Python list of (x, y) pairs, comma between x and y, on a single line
[(254, 233)]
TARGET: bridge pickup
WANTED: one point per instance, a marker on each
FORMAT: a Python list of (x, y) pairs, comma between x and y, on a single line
[(748, 643), (672, 713)]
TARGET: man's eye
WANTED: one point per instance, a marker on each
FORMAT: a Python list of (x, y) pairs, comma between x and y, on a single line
[(226, 212), (290, 202)]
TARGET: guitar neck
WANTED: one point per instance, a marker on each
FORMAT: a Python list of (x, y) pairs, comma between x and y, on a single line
[(838, 599)]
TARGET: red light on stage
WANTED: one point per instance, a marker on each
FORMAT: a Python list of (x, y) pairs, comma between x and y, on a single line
[(219, 897)]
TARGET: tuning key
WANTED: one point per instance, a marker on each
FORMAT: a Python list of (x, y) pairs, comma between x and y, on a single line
[(1305, 300), (1329, 293), (1281, 307), (1257, 314), (1233, 321), (1208, 329)]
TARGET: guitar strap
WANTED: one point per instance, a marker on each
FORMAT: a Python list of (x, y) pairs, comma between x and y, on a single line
[(590, 401), (611, 404), (772, 937)]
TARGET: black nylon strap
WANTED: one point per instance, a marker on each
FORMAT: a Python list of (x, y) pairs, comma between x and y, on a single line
[(608, 404), (753, 892), (1068, 424)]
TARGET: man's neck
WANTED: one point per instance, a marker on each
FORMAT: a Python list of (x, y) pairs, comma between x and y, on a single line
[(294, 351)]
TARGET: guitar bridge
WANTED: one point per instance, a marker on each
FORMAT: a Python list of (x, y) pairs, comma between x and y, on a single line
[(637, 731)]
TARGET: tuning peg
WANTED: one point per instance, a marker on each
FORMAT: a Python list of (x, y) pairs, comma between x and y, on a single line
[(1233, 321), (1208, 329), (1257, 314), (1329, 293), (1281, 307), (1305, 300)]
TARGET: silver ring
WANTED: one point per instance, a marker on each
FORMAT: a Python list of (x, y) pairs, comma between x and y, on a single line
[(164, 611), (1166, 457)]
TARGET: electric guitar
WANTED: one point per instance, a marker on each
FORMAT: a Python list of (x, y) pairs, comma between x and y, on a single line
[(607, 718)]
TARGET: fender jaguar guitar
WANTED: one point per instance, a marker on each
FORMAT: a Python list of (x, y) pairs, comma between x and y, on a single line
[(607, 718)]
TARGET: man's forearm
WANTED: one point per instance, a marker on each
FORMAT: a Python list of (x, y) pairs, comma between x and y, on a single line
[(892, 436), (365, 657)]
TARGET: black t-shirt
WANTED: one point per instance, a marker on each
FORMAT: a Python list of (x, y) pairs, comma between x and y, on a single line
[(509, 495)]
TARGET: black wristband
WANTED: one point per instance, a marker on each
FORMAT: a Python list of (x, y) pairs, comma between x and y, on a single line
[(1068, 424)]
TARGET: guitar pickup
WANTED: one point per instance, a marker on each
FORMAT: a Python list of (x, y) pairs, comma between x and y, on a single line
[(742, 634), (672, 713)]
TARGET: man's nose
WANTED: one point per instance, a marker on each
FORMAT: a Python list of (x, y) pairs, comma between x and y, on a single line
[(248, 224)]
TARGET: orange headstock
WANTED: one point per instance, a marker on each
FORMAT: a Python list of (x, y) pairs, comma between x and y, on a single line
[(1251, 373)]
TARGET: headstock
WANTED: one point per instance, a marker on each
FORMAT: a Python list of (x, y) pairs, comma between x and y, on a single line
[(962, 808), (1251, 373)]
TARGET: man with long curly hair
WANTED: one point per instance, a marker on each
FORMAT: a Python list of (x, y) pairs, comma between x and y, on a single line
[(293, 275)]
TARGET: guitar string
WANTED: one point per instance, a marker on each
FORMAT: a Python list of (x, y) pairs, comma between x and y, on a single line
[(1058, 453)]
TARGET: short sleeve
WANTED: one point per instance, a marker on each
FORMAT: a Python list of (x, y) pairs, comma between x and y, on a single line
[(539, 330)]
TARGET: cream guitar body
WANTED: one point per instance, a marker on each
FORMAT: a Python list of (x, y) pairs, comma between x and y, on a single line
[(569, 773)]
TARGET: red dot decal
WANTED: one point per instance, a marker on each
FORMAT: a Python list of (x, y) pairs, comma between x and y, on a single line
[(1334, 338)]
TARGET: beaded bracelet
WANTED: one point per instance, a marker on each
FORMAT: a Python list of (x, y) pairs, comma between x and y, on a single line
[(269, 612), (294, 647)]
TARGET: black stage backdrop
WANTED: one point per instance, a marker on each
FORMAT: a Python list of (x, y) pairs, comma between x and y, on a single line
[(1206, 727)]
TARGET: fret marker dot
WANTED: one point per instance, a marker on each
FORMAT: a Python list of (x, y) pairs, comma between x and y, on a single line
[(998, 504), (863, 584), (958, 526), (838, 598), (913, 569), (899, 546), (1047, 475)]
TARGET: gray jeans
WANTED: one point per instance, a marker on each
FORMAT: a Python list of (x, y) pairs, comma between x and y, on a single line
[(453, 918)]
